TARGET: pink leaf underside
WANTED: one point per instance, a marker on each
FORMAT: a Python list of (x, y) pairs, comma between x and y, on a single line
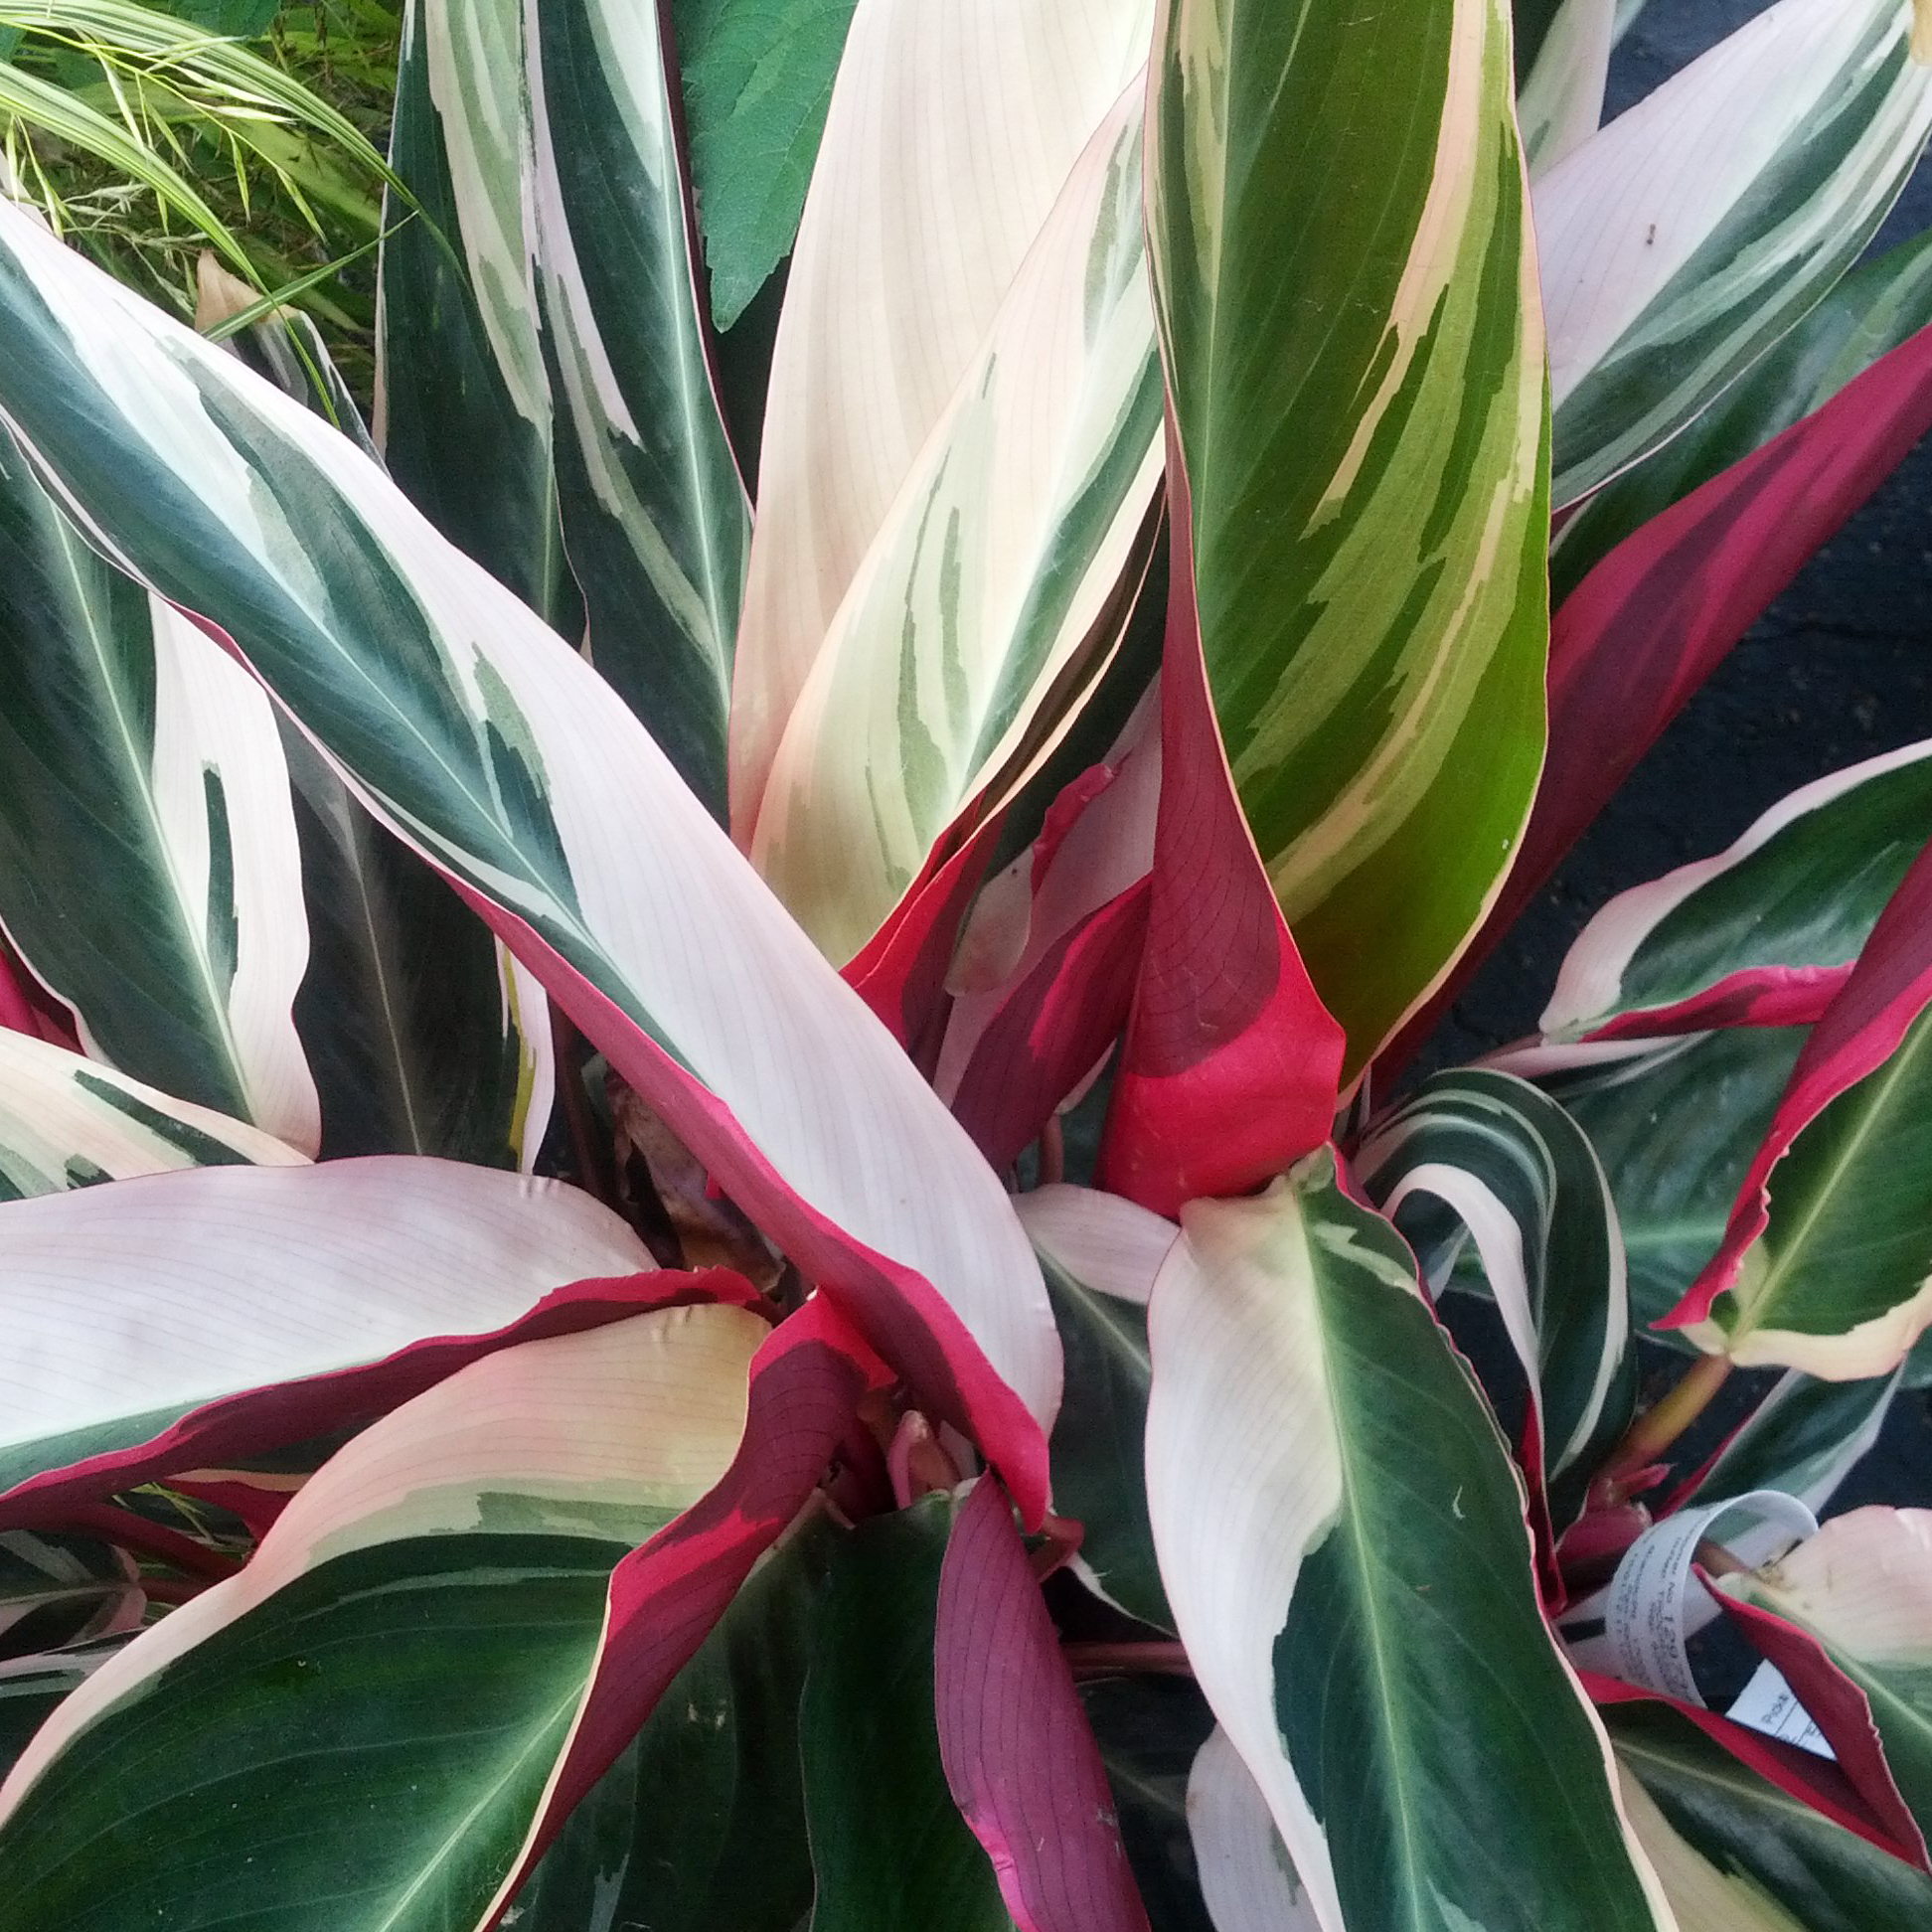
[(1761, 996), (1842, 1713), (1886, 990), (807, 1381), (1637, 638), (1017, 1751), (262, 1419), (1232, 1065), (899, 1312), (1812, 1780)]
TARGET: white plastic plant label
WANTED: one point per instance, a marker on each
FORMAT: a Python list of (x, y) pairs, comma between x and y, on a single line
[(1769, 1704)]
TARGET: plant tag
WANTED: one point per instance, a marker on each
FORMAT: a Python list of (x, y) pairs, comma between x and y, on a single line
[(1769, 1704), (1636, 1629)]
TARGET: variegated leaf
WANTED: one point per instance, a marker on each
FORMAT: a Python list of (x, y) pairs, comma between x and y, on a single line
[(1683, 238), (1364, 1618), (990, 581), (553, 130), (424, 1619), (148, 870), (1519, 1180), (1353, 331), (1561, 102), (983, 109), (500, 755), (68, 1122)]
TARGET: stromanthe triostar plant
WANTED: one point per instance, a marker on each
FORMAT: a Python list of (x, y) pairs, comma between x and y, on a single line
[(709, 1210)]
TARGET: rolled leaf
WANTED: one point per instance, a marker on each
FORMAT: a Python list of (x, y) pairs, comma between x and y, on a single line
[(1682, 240), (1765, 932), (1823, 1265), (496, 751), (990, 582), (1521, 1179), (1363, 1619), (985, 115), (1737, 1854), (451, 1564), (148, 868), (68, 1122), (1359, 396), (757, 80), (129, 1307), (1246, 1873), (888, 1845), (1561, 102)]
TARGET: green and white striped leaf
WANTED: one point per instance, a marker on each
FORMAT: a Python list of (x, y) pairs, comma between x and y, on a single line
[(499, 754), (1874, 309), (1520, 1177), (1364, 1618), (1804, 1438), (57, 1590), (67, 1121), (1674, 1124), (1560, 102), (1682, 240), (700, 1827), (405, 1654), (148, 870), (558, 141), (1247, 1878), (757, 80), (1100, 1255), (1349, 313), (993, 577), (424, 1034), (1863, 1586), (950, 141), (1737, 1854), (30, 1687), (1783, 911), (126, 1307), (462, 399)]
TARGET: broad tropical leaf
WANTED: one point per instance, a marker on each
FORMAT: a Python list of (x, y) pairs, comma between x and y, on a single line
[(1520, 1177), (701, 1824), (497, 753), (1365, 1619), (985, 111), (1803, 1439), (423, 1621), (1877, 308), (888, 1845), (757, 80), (1767, 930), (1100, 1255), (1674, 1124), (67, 1121), (1683, 238), (557, 135), (1737, 1854), (1357, 376), (991, 579), (1020, 1757), (128, 1308), (148, 868), (1824, 1265), (1863, 1586)]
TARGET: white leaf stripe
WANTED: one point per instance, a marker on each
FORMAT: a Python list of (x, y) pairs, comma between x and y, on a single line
[(68, 1122), (996, 559), (949, 136), (148, 1298), (148, 839), (1683, 238), (495, 749)]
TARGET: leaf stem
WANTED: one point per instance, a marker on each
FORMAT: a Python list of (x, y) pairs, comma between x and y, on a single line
[(1657, 1430), (1121, 1660)]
